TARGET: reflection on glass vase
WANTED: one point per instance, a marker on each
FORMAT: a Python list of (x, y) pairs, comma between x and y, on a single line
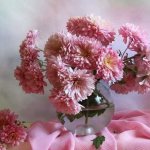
[(96, 114)]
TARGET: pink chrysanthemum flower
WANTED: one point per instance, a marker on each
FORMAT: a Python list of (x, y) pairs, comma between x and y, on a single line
[(30, 73), (84, 53), (7, 117), (120, 88), (92, 27), (13, 134), (143, 75), (30, 40), (147, 55), (142, 85), (143, 66), (109, 66), (28, 49), (126, 85), (135, 37), (31, 78), (56, 71), (2, 147), (63, 103), (138, 79), (56, 44), (80, 84)]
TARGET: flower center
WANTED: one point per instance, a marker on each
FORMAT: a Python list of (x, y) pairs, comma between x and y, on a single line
[(77, 82), (109, 62), (85, 52), (57, 46)]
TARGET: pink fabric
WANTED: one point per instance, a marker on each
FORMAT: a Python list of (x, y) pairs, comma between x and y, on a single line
[(127, 131)]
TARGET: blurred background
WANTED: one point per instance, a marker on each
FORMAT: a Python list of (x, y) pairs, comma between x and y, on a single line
[(48, 16)]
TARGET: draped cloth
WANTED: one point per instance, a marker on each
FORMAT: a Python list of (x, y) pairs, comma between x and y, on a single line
[(128, 130)]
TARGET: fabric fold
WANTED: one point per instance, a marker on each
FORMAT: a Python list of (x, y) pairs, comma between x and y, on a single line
[(127, 131)]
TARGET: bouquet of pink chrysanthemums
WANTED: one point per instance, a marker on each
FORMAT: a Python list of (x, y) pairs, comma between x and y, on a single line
[(76, 60), (12, 131)]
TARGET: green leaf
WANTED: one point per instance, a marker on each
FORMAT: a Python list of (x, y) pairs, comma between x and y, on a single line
[(71, 117), (79, 115), (61, 117), (98, 141), (101, 111), (91, 113)]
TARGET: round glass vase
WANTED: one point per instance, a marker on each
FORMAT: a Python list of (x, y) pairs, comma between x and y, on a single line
[(97, 113)]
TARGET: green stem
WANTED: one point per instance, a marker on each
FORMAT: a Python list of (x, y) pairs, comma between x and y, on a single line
[(87, 112), (126, 48), (130, 58)]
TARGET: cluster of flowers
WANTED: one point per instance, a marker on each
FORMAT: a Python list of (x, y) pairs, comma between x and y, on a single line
[(12, 132), (29, 73), (76, 60), (136, 75)]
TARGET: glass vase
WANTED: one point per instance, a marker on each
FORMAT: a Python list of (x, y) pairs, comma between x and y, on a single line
[(96, 114)]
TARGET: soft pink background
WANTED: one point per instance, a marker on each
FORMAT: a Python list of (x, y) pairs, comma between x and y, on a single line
[(48, 16)]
